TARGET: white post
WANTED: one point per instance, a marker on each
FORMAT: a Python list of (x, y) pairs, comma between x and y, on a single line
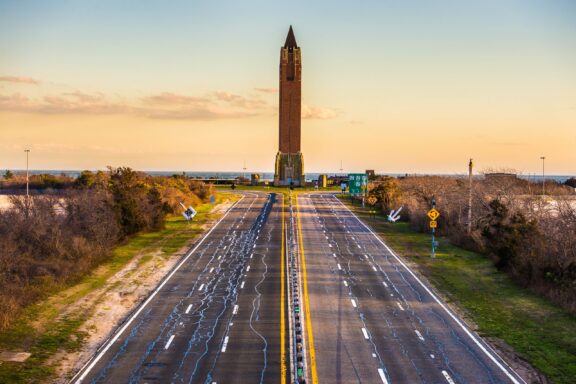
[(543, 187), (470, 165), (27, 152)]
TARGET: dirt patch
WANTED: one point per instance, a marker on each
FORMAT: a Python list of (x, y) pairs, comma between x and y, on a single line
[(107, 307), (17, 357)]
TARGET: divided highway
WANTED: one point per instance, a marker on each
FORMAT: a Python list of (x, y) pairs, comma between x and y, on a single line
[(233, 309)]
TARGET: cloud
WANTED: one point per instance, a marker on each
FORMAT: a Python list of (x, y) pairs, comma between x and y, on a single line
[(317, 113), (267, 90), (18, 79), (163, 105), (168, 98), (63, 103)]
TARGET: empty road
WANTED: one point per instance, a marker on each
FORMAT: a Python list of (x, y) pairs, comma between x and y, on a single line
[(231, 310), (217, 317), (372, 320)]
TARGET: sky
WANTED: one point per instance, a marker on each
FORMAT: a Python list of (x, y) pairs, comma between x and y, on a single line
[(400, 86)]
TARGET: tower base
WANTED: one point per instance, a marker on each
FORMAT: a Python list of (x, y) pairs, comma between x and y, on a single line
[(289, 169)]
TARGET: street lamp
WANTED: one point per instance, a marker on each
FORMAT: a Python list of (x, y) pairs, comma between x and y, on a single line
[(543, 188), (27, 152)]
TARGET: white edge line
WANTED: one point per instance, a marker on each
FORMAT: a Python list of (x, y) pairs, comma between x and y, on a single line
[(152, 295), (476, 341)]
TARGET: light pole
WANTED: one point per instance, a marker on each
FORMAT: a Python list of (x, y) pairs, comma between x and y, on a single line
[(27, 152), (470, 165), (543, 187)]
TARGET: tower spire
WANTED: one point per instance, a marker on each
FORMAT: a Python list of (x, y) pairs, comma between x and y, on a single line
[(290, 39)]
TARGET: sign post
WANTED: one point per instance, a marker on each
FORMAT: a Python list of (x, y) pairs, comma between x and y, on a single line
[(357, 184), (372, 200), (433, 214)]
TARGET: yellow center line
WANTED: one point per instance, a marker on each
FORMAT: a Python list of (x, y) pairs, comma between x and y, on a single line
[(307, 302), (282, 304)]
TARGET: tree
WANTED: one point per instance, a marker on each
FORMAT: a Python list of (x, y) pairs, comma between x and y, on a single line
[(388, 194), (8, 174), (571, 182), (85, 180), (508, 236)]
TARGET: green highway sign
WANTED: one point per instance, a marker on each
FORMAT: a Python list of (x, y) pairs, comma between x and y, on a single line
[(357, 182)]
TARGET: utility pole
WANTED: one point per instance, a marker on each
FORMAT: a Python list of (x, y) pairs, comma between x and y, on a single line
[(244, 168), (543, 187), (433, 231), (27, 152), (470, 165)]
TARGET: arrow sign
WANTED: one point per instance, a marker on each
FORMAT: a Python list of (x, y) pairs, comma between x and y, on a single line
[(433, 214), (394, 215), (189, 212)]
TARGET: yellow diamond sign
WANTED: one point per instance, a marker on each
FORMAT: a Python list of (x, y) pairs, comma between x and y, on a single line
[(372, 200), (433, 214)]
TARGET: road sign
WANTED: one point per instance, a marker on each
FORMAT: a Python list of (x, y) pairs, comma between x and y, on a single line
[(433, 224), (372, 200), (433, 214), (357, 182)]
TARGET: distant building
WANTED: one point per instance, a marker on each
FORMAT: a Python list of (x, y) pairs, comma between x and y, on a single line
[(371, 174), (322, 181), (289, 165)]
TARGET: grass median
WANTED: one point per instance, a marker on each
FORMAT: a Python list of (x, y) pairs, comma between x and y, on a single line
[(536, 329), (52, 328)]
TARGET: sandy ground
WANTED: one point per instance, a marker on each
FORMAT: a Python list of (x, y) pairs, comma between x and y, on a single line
[(110, 305), (4, 203)]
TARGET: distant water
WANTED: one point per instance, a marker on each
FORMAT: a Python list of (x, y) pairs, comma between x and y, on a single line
[(270, 175)]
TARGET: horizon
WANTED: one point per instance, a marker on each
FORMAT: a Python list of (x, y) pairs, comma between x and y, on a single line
[(410, 89)]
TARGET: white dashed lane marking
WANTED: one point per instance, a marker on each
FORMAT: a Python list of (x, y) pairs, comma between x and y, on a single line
[(382, 375), (447, 377), (339, 267), (169, 342), (225, 344), (419, 335), (188, 309), (365, 333), (400, 306), (235, 311), (353, 302), (345, 283), (242, 285), (201, 287)]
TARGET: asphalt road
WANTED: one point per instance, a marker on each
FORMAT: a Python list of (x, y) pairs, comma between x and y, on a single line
[(372, 320), (226, 313), (216, 317)]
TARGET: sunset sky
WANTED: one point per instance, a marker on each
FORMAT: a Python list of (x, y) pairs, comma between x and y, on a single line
[(396, 86)]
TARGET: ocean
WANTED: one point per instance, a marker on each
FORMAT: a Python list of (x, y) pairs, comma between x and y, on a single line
[(270, 176)]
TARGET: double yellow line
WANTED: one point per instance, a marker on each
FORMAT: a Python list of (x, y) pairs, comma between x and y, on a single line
[(283, 371), (313, 371), (282, 304)]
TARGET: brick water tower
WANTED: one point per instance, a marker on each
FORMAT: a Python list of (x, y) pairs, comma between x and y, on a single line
[(289, 166)]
